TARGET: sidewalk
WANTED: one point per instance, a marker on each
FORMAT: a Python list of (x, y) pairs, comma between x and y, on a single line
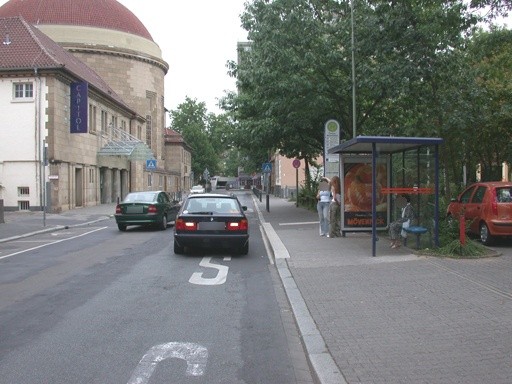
[(396, 317), (393, 318)]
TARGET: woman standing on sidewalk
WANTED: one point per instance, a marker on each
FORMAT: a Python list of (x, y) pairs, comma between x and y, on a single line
[(335, 208), (324, 198)]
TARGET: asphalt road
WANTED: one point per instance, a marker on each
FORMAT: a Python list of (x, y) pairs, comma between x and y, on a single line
[(96, 305)]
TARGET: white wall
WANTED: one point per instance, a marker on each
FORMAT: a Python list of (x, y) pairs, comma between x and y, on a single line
[(19, 142)]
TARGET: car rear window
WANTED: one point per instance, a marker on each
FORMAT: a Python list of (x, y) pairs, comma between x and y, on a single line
[(140, 196), (218, 205), (504, 195)]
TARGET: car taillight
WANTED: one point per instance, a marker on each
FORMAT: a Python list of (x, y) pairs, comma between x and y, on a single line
[(494, 207), (241, 225), (182, 225), (152, 209), (118, 209)]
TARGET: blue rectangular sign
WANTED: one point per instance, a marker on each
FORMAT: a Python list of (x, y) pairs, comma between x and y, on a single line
[(150, 164), (79, 107), (266, 167)]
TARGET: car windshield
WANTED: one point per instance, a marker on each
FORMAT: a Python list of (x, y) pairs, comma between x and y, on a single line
[(212, 205), (140, 197)]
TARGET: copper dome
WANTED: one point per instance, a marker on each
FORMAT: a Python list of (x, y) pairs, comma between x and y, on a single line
[(108, 14)]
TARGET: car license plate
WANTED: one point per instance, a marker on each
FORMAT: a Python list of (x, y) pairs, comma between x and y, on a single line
[(212, 226), (134, 209)]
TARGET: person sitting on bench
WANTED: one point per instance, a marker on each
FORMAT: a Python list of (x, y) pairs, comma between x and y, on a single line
[(397, 226)]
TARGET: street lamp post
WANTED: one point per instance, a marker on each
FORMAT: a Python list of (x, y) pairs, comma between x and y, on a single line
[(353, 70)]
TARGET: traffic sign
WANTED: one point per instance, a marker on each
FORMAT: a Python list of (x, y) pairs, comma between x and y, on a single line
[(296, 163), (150, 164), (266, 167)]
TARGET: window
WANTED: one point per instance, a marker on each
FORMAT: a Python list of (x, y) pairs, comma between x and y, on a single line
[(148, 130), (23, 191), (104, 119), (113, 124), (91, 175), (150, 180), (466, 195), (23, 205), (92, 118), (23, 91), (478, 197)]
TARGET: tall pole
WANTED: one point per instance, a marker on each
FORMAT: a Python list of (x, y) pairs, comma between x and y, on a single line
[(353, 71)]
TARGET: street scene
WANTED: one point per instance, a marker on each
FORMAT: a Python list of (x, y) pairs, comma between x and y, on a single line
[(114, 301), (255, 192)]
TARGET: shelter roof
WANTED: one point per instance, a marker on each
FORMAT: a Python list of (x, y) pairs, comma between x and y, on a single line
[(384, 144)]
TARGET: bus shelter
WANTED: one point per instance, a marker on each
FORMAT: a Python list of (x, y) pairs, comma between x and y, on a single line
[(373, 168)]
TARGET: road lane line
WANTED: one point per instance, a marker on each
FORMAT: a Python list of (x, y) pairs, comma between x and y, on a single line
[(54, 242)]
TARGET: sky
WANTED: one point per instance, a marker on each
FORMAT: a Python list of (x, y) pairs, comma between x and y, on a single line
[(197, 38)]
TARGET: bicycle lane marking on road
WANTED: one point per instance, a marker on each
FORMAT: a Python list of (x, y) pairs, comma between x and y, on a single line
[(220, 278)]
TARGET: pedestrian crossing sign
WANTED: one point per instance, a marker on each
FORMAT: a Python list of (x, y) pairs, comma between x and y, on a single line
[(150, 164), (266, 167)]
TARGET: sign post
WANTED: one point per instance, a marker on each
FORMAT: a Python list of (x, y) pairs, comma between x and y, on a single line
[(296, 165), (266, 168), (331, 139)]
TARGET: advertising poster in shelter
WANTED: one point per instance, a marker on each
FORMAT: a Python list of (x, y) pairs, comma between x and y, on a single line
[(357, 188)]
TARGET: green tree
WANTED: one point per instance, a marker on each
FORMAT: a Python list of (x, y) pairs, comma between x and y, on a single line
[(412, 74), (489, 56), (192, 121)]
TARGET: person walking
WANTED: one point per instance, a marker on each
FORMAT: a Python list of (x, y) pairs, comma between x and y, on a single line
[(335, 208), (322, 206), (396, 227)]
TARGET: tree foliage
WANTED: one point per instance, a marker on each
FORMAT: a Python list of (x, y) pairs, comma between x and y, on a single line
[(417, 69), (202, 132)]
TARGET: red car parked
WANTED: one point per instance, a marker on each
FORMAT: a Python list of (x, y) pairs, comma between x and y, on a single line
[(489, 207)]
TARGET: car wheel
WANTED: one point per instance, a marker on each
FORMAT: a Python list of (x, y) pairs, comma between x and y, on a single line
[(163, 223), (122, 227), (178, 249), (244, 250), (485, 236)]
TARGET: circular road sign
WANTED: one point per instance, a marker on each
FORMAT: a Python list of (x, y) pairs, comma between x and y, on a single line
[(296, 163)]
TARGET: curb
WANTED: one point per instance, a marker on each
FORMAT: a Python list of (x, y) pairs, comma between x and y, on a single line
[(324, 366)]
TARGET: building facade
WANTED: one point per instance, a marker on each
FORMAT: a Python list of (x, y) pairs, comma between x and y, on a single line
[(100, 46)]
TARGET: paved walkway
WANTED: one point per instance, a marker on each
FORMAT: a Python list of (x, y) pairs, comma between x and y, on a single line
[(393, 318)]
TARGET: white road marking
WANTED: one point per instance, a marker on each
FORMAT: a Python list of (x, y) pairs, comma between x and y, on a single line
[(197, 277), (53, 242), (195, 355), (300, 223)]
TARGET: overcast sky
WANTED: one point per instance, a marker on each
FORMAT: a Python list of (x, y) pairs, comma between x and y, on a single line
[(197, 38)]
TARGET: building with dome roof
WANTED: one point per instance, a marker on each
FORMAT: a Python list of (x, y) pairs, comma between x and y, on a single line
[(90, 61)]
